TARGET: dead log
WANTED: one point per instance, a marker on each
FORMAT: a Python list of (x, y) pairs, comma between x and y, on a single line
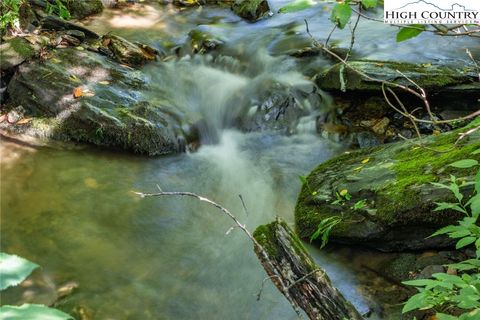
[(296, 275)]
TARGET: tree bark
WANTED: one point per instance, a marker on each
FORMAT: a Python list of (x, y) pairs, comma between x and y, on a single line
[(296, 275)]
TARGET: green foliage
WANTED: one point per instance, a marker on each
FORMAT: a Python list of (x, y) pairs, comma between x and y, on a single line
[(341, 14), (9, 13), (410, 32), (59, 9), (324, 228), (32, 312), (297, 5), (13, 270), (368, 4), (303, 180), (460, 291)]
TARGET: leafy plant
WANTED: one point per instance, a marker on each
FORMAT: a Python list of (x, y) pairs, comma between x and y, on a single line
[(9, 13), (13, 270), (304, 181), (461, 291), (342, 197), (59, 9), (324, 228)]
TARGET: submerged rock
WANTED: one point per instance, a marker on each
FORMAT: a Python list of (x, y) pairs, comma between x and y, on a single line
[(82, 96), (393, 183), (251, 10), (428, 76)]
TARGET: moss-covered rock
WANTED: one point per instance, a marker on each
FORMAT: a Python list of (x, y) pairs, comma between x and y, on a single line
[(84, 8), (251, 10), (124, 51), (428, 76), (394, 182), (82, 96), (15, 51)]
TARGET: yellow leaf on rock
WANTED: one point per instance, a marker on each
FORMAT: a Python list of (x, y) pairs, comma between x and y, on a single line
[(365, 160), (77, 92), (91, 183), (104, 82), (24, 121)]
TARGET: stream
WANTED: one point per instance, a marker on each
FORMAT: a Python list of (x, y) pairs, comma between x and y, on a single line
[(73, 211)]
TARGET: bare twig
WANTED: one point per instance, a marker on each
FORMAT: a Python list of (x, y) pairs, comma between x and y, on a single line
[(256, 244), (259, 294), (352, 38), (243, 204), (405, 113)]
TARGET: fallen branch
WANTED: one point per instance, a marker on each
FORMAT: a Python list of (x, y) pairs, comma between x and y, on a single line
[(289, 267)]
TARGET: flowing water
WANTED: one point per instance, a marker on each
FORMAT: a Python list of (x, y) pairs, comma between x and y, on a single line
[(73, 211)]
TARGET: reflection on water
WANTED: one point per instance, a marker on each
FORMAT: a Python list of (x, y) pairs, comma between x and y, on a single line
[(156, 258)]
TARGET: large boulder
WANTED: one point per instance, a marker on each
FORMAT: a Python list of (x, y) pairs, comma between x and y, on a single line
[(83, 96), (428, 76), (251, 10), (394, 184)]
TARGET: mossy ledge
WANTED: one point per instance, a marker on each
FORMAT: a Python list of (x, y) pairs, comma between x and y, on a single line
[(395, 180)]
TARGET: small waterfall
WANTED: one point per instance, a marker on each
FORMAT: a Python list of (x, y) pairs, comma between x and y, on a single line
[(216, 93)]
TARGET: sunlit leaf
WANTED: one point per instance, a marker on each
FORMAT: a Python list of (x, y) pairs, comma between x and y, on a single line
[(416, 301), (341, 14), (14, 269), (367, 4), (297, 5), (465, 242), (464, 164), (365, 160), (410, 32), (32, 312)]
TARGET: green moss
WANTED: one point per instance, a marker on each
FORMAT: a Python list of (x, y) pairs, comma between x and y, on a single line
[(427, 76), (416, 166), (22, 47), (395, 181), (264, 235), (251, 10)]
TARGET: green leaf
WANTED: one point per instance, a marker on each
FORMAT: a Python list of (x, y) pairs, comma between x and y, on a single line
[(410, 32), (341, 14), (416, 301), (447, 205), (444, 230), (465, 242), (303, 179), (297, 5), (476, 151), (367, 4), (32, 312), (464, 164), (474, 203), (421, 282), (14, 270), (442, 316)]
